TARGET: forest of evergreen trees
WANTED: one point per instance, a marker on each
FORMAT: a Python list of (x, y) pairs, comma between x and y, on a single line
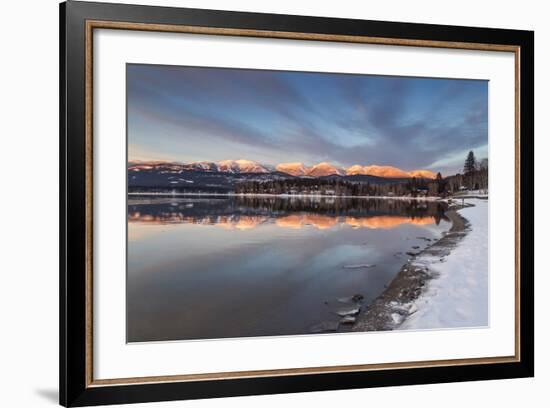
[(474, 177)]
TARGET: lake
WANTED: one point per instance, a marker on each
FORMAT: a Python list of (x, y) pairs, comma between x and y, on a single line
[(240, 266)]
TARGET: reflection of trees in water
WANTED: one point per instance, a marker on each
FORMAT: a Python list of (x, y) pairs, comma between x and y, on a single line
[(249, 210), (343, 206)]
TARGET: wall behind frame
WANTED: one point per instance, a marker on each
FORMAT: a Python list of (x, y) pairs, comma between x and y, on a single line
[(29, 201)]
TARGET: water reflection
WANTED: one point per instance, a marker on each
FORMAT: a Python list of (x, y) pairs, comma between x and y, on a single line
[(214, 267), (243, 213)]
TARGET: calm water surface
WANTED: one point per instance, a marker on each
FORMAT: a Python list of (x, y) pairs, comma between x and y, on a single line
[(214, 267)]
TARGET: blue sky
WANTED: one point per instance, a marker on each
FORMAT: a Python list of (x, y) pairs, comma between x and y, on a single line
[(193, 114)]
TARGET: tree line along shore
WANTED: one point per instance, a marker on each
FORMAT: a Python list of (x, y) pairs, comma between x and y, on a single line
[(474, 177)]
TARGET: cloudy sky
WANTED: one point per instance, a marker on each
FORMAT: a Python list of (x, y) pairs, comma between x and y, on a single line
[(193, 114)]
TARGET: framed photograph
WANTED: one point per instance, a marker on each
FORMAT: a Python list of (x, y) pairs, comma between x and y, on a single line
[(256, 203)]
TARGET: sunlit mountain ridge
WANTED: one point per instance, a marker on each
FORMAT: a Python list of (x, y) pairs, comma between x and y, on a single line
[(296, 169)]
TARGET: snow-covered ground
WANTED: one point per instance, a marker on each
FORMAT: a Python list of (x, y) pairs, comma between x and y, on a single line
[(472, 194), (232, 194), (458, 297)]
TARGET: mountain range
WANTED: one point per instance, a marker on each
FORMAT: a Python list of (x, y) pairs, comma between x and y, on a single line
[(295, 169), (224, 176)]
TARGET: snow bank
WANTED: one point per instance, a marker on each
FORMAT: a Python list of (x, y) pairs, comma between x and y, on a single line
[(458, 295), (472, 194)]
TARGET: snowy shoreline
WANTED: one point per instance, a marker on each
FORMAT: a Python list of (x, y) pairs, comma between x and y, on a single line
[(443, 286), (458, 294), (160, 194)]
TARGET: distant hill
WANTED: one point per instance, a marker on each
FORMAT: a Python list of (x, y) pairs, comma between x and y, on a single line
[(225, 175)]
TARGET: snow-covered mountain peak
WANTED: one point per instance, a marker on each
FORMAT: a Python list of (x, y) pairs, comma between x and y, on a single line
[(202, 165), (423, 174), (385, 171), (324, 169), (241, 166), (294, 169), (355, 170)]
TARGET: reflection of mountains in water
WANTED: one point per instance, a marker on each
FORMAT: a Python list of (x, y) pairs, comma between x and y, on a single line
[(322, 212)]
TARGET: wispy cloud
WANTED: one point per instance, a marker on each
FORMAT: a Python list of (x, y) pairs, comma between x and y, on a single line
[(188, 113)]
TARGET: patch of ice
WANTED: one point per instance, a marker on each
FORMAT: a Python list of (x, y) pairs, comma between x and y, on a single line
[(348, 312), (359, 266), (347, 320), (324, 327)]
